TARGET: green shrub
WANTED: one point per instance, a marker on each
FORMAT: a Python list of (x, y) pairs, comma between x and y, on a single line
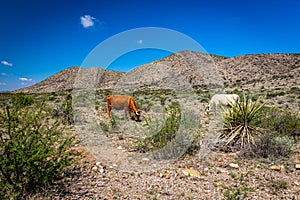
[(279, 126), (167, 133), (278, 185), (240, 121), (295, 90), (64, 111), (33, 149), (67, 110), (235, 193), (238, 191), (207, 95), (21, 100), (275, 94), (283, 122)]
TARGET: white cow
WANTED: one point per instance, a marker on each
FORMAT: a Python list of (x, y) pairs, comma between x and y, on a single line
[(223, 100)]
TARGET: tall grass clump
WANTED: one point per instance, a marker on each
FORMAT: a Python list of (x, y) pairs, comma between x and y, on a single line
[(33, 148), (166, 133), (240, 121)]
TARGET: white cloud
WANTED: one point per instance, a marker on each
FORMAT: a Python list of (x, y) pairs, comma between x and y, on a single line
[(25, 79), (87, 21), (140, 41), (4, 62), (3, 74), (1, 83)]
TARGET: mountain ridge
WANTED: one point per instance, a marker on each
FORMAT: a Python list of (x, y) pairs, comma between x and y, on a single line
[(250, 71)]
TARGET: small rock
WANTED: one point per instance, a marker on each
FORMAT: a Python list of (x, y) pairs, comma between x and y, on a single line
[(74, 152), (220, 184), (297, 166), (113, 166), (168, 176), (102, 170), (233, 165), (98, 163), (244, 173), (161, 175), (276, 167), (191, 172), (95, 168), (145, 159), (119, 147), (296, 183)]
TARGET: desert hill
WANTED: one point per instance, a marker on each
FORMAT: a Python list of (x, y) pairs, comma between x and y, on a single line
[(249, 71), (268, 70), (64, 81)]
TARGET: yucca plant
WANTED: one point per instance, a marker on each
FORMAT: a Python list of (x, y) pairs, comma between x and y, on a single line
[(239, 121)]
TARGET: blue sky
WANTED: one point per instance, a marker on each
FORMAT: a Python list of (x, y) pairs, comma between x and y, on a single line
[(41, 38)]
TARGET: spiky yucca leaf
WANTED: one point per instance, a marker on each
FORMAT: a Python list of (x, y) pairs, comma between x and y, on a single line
[(238, 122)]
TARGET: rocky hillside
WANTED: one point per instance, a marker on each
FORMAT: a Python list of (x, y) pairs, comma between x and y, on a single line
[(181, 70), (188, 68), (64, 81), (261, 70)]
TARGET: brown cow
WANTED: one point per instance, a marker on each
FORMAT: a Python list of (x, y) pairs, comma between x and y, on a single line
[(120, 102)]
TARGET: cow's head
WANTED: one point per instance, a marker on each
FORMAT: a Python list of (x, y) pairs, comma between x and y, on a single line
[(136, 116)]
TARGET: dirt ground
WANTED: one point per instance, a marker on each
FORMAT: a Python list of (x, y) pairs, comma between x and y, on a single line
[(218, 175)]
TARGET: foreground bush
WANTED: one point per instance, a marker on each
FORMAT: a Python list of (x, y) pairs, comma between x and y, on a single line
[(33, 148)]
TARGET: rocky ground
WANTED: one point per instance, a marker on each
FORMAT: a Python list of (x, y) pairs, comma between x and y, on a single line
[(219, 175)]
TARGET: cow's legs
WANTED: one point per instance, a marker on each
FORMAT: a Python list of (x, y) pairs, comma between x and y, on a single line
[(126, 114), (108, 110)]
